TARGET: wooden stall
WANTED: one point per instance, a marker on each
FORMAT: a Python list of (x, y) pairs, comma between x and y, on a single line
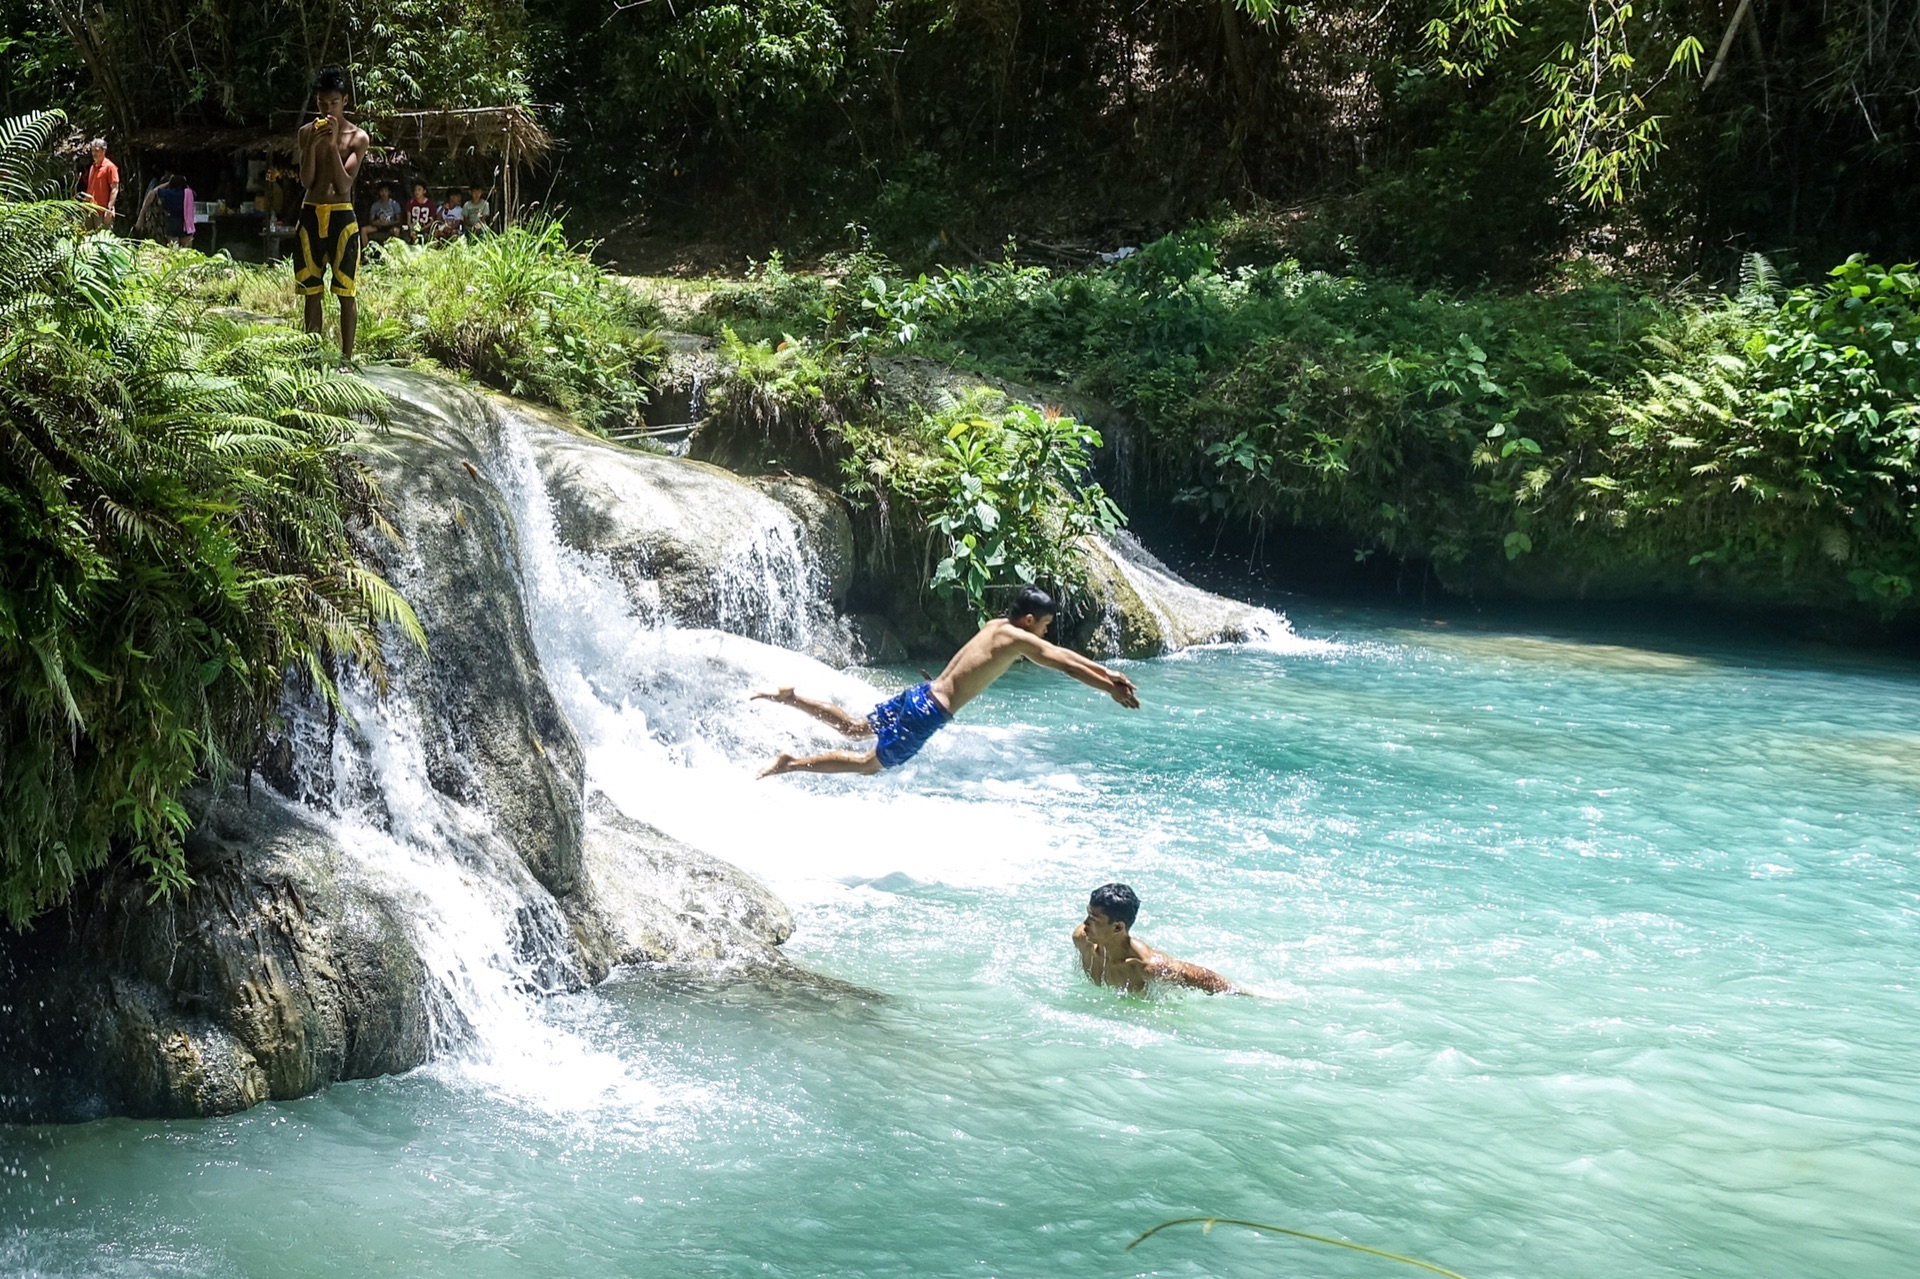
[(511, 135)]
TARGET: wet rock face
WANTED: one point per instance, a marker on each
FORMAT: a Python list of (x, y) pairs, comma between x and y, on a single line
[(279, 973), (698, 546), (296, 959), (676, 400), (1142, 608), (826, 530), (660, 901), (493, 735), (1121, 624)]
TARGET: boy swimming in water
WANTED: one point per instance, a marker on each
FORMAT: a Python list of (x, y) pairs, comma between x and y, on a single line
[(902, 724), (1112, 956)]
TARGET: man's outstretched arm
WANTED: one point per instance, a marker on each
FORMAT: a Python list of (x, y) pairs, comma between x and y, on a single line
[(1181, 973), (1086, 670)]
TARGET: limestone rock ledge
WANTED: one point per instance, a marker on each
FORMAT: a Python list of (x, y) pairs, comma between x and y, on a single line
[(278, 974), (292, 962), (654, 900)]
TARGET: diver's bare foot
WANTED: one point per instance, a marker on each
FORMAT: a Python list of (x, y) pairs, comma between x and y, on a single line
[(784, 696), (782, 763)]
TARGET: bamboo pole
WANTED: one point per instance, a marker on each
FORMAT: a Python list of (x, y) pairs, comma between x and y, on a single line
[(508, 192), (1726, 45)]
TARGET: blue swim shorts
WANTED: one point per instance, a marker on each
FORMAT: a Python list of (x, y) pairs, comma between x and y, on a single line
[(903, 724)]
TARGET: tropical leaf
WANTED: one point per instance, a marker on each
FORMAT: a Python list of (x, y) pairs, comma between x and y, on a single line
[(175, 494)]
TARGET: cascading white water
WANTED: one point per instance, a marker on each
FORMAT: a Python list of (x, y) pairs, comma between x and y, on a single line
[(1186, 615), (491, 940), (696, 411), (771, 589), (668, 732)]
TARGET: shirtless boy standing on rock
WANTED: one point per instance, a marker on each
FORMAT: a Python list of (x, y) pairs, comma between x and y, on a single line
[(1112, 956), (902, 724), (327, 235)]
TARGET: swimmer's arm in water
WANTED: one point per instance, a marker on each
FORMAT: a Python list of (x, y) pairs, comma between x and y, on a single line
[(1087, 671), (1180, 973)]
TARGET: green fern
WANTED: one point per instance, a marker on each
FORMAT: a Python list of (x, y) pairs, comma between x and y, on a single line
[(176, 491)]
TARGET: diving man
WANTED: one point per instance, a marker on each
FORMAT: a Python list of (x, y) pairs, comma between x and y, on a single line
[(902, 724), (1112, 956)]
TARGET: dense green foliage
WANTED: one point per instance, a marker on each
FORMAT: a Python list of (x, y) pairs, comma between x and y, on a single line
[(999, 492), (1003, 487), (1587, 438), (521, 310), (1776, 439), (183, 62), (1439, 137), (174, 497)]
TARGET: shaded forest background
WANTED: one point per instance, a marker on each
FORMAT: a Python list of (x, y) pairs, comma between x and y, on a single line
[(1443, 140)]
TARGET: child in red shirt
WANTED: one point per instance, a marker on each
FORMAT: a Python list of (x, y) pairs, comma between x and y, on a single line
[(417, 217)]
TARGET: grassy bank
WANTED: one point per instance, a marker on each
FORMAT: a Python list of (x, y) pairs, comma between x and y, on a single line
[(1589, 438), (523, 311)]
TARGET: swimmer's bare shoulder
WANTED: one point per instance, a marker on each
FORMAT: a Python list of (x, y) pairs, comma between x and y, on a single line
[(1178, 972)]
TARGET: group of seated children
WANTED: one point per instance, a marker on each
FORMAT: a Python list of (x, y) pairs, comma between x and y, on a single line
[(420, 221)]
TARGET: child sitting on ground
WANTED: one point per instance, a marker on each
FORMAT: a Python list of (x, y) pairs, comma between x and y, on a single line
[(383, 216), (478, 212), (452, 218), (419, 213)]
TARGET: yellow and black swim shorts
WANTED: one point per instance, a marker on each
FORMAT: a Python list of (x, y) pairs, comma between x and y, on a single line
[(327, 236)]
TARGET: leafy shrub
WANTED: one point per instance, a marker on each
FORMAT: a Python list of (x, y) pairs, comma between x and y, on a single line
[(521, 310), (175, 491), (1003, 487), (791, 376), (1409, 420), (857, 300), (1590, 436), (770, 301), (1776, 438)]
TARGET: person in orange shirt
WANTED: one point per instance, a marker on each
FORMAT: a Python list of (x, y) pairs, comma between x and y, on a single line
[(103, 188)]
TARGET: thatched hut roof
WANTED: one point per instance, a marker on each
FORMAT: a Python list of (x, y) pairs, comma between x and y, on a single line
[(491, 131), (502, 131)]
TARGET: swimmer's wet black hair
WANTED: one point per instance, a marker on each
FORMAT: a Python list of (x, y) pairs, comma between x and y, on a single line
[(330, 80), (1116, 902), (1030, 600)]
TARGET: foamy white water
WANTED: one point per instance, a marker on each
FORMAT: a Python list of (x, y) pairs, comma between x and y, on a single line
[(671, 734)]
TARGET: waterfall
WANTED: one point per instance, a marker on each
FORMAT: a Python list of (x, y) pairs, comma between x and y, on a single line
[(548, 791), (493, 943), (409, 806), (1187, 615), (659, 595)]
